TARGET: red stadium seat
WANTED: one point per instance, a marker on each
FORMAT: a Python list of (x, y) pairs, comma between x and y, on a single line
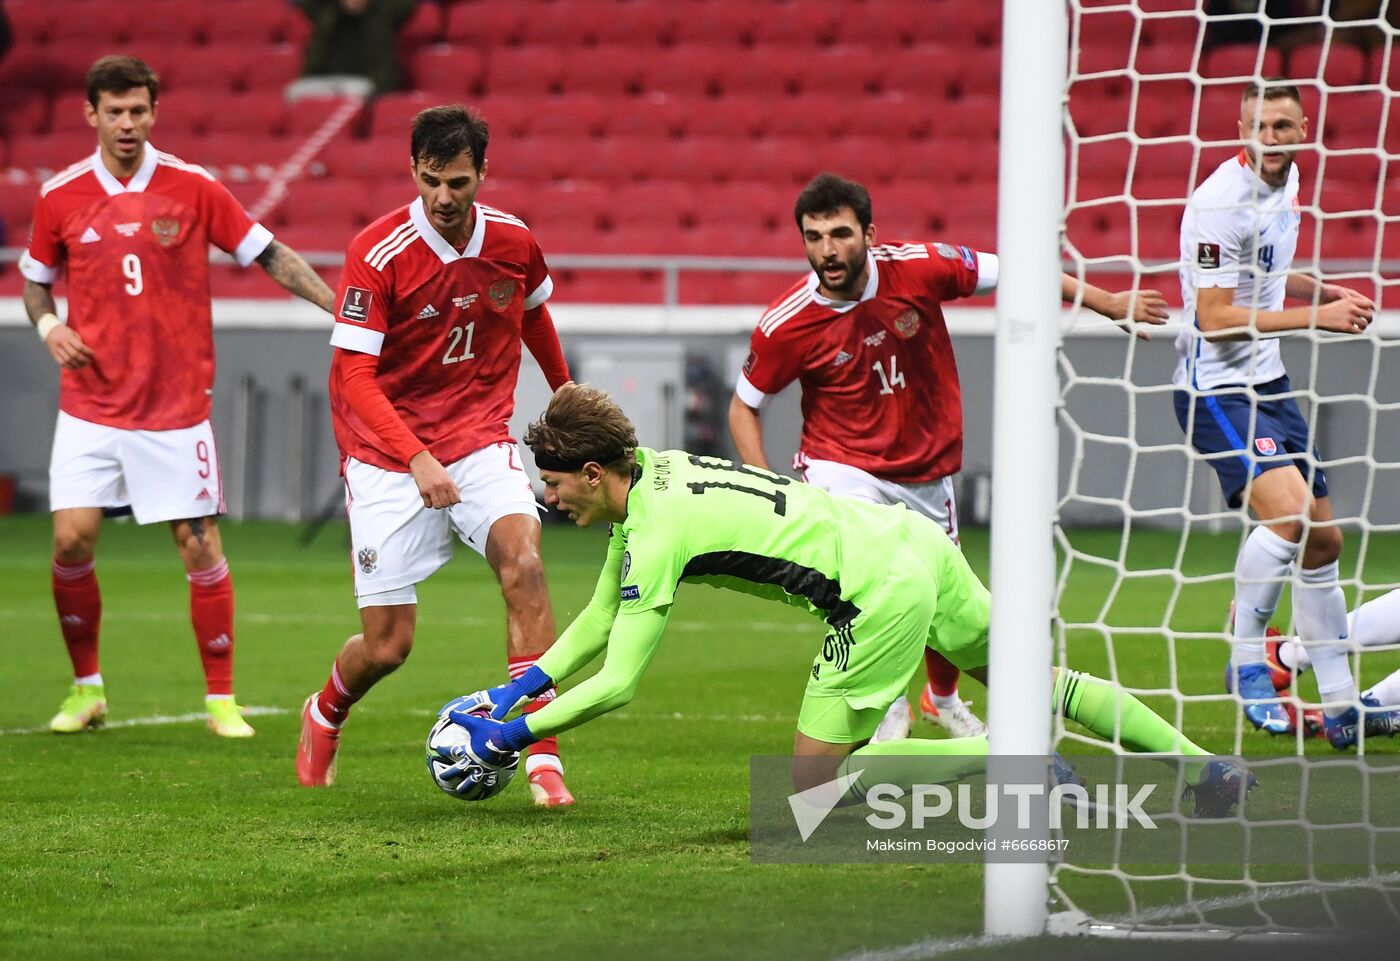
[(309, 114), (890, 24), (803, 26), (1159, 231), (728, 25), (1102, 169), (579, 117), (367, 159), (609, 71), (392, 113), (45, 156), (1104, 41), (34, 22), (330, 202), (428, 24), (654, 115), (1100, 232), (1241, 61), (893, 116), (501, 24), (919, 72), (660, 204), (1337, 64), (577, 286), (752, 288), (255, 24), (687, 71), (842, 72), (26, 113), (1099, 107), (1171, 32), (592, 23), (17, 200), (46, 69), (1352, 120), (1156, 59), (524, 71), (1164, 108), (260, 113), (458, 70)]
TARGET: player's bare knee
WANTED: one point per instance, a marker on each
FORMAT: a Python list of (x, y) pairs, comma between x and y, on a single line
[(811, 770), (522, 577), (388, 651), (1323, 546), (1289, 530), (199, 542), (73, 546)]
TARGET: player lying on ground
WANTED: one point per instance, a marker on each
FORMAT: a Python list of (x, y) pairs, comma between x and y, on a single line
[(1373, 624), (887, 581)]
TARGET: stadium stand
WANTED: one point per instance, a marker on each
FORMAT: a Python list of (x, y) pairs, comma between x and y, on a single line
[(652, 127)]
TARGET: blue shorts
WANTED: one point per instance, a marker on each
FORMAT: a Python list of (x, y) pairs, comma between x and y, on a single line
[(1243, 431)]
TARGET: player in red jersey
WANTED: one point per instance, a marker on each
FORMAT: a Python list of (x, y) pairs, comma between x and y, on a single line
[(881, 407), (131, 226), (433, 304)]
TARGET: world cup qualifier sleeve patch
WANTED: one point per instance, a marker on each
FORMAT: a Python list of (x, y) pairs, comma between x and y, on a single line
[(355, 306), (1208, 256)]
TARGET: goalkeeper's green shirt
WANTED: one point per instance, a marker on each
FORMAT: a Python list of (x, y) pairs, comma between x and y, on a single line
[(712, 521)]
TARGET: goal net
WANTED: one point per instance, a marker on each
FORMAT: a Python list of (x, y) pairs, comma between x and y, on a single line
[(1146, 545)]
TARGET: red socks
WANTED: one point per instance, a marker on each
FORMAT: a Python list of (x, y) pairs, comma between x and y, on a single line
[(79, 605), (335, 700), (211, 613), (544, 747), (942, 673)]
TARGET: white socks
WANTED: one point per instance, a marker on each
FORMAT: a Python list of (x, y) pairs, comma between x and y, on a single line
[(1260, 572), (1320, 615)]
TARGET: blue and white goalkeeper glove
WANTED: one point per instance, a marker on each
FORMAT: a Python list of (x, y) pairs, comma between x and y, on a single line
[(503, 700)]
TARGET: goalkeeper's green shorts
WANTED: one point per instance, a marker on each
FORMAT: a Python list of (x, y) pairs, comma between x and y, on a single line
[(931, 598)]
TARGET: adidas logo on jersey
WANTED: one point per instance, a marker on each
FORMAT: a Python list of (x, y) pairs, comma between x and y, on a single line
[(842, 358), (203, 495), (426, 312), (89, 236)]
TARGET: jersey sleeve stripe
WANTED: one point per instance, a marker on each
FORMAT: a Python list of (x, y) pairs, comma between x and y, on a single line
[(65, 176), (389, 253), (37, 271), (540, 294), (388, 241), (362, 340), (166, 160), (254, 242), (491, 213), (748, 393), (777, 318)]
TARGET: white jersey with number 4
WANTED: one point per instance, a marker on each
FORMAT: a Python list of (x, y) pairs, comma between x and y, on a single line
[(1240, 233)]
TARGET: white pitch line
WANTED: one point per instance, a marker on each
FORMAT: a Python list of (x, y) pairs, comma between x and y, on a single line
[(935, 947), (154, 720)]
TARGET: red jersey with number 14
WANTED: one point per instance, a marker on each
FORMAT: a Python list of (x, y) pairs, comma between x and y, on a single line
[(445, 326), (137, 256), (879, 380)]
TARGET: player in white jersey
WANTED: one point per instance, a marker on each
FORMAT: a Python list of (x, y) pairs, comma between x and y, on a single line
[(1235, 403)]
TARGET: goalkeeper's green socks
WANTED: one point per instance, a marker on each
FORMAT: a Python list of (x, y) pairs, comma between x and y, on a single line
[(913, 760), (1114, 714)]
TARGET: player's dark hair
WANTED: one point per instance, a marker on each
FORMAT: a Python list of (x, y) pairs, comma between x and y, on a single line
[(1272, 88), (828, 193), (440, 134), (582, 424), (117, 75)]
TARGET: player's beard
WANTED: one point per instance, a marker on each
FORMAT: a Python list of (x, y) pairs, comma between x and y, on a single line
[(847, 290)]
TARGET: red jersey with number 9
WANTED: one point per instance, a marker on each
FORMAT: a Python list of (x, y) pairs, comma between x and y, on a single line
[(879, 380), (137, 259), (445, 325)]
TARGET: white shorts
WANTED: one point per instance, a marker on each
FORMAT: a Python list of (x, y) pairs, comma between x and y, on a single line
[(396, 542), (933, 499), (164, 475)]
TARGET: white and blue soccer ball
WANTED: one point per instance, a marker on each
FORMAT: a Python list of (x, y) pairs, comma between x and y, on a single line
[(457, 770)]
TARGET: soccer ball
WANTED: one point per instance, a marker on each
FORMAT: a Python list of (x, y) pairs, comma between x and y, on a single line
[(459, 772)]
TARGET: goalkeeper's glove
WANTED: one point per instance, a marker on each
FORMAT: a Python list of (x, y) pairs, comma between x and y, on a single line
[(485, 744), (507, 697)]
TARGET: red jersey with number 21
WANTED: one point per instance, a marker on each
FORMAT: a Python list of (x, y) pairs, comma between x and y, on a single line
[(137, 257), (879, 380), (445, 325)]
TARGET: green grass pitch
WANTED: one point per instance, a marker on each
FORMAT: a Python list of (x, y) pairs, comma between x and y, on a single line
[(161, 841)]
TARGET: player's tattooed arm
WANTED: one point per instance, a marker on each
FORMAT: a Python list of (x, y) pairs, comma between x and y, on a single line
[(288, 268), (65, 344)]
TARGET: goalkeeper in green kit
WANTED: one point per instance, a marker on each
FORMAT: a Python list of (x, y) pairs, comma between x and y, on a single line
[(885, 580)]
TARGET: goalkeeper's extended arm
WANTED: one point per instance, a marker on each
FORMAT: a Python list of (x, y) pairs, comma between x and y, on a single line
[(584, 639), (631, 644)]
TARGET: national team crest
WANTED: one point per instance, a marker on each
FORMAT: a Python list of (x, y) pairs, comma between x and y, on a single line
[(368, 559), (906, 324), (502, 292), (1265, 446), (166, 229)]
